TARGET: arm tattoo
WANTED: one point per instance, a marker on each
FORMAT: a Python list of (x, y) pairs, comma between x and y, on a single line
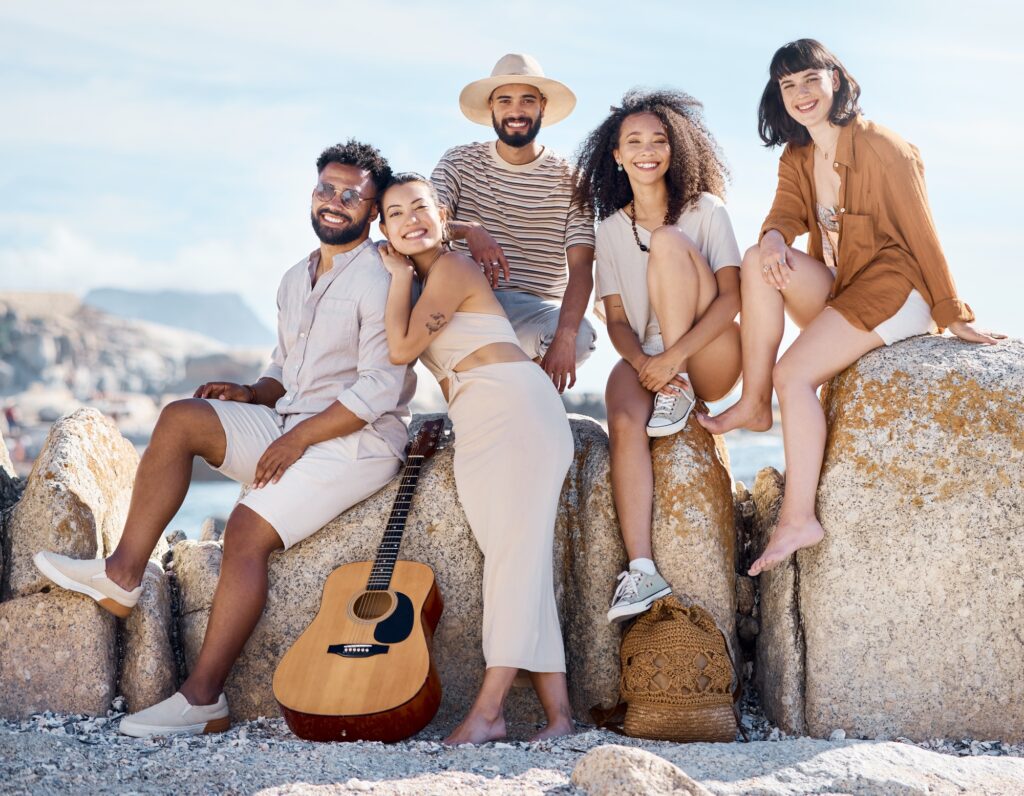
[(437, 322)]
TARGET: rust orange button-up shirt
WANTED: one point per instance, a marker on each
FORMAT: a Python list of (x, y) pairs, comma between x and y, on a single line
[(887, 239)]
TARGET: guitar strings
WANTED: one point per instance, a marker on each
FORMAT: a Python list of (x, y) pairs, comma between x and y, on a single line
[(376, 600)]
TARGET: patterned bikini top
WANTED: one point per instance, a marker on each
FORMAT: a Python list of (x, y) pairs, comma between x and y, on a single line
[(828, 225)]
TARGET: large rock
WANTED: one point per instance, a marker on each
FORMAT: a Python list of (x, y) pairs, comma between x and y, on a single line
[(149, 673), (694, 531), (615, 770), (76, 498), (436, 534), (9, 494), (911, 606), (57, 652), (588, 554), (195, 569), (780, 644), (6, 465)]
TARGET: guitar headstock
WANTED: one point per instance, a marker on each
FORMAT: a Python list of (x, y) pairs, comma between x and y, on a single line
[(427, 438)]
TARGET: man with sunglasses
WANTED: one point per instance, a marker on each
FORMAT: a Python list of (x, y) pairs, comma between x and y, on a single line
[(323, 428)]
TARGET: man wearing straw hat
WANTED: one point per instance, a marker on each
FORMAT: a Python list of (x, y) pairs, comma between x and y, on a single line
[(509, 205)]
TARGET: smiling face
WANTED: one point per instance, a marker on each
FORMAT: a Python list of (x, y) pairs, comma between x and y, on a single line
[(335, 224), (516, 113), (808, 95), (411, 219), (644, 149)]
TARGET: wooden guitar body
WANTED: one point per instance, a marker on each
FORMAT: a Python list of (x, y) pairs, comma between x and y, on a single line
[(362, 669)]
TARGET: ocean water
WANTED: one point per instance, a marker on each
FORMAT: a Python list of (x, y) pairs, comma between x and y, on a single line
[(748, 453)]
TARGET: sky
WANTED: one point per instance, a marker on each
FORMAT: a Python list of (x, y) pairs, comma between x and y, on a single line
[(172, 144)]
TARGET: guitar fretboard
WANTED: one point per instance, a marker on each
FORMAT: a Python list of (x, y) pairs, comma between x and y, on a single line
[(387, 552)]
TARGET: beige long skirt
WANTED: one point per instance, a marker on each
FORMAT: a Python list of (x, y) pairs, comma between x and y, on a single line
[(513, 447)]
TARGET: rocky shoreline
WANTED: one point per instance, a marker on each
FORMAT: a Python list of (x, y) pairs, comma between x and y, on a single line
[(59, 753)]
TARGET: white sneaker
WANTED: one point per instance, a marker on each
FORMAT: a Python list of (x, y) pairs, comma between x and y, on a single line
[(175, 716), (87, 576), (635, 593), (671, 411)]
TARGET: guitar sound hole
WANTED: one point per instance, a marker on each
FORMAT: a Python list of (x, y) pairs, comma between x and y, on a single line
[(372, 605)]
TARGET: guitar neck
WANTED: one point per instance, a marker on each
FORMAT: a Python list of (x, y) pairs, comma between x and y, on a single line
[(387, 553)]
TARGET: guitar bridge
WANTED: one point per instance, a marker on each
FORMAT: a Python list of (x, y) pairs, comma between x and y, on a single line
[(358, 650)]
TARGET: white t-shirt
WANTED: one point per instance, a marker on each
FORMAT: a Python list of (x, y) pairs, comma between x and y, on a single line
[(622, 267)]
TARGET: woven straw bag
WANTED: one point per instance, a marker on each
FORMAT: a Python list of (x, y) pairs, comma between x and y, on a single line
[(677, 676)]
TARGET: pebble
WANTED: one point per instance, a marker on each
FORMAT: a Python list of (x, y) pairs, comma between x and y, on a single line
[(838, 735)]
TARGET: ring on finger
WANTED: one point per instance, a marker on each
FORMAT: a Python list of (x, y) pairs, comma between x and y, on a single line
[(766, 268)]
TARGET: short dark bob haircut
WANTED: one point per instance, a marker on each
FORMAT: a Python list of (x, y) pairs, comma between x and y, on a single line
[(774, 123), (362, 156), (696, 165)]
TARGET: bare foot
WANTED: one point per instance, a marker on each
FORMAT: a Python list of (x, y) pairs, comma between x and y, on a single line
[(749, 414), (786, 540), (555, 729), (476, 728)]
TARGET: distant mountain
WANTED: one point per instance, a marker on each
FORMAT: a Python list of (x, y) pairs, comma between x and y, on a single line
[(222, 316)]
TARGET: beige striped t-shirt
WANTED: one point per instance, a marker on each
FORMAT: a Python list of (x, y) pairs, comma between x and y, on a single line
[(527, 209)]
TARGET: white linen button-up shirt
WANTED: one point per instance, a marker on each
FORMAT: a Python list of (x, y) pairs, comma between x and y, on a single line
[(331, 344)]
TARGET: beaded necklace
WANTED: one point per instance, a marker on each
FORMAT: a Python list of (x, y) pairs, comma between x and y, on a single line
[(632, 221)]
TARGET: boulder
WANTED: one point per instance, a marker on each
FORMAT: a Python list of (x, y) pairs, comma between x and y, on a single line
[(194, 568), (587, 544), (588, 554), (149, 672), (910, 607), (780, 643), (614, 770), (694, 533), (6, 465), (76, 498), (10, 491), (57, 652), (211, 530)]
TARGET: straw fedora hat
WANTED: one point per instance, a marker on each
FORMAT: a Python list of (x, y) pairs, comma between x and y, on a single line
[(516, 68)]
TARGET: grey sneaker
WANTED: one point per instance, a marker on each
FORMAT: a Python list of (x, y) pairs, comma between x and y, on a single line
[(635, 593), (87, 576), (671, 411), (175, 716)]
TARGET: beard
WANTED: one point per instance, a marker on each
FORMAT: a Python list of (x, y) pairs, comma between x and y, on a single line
[(517, 140), (339, 237)]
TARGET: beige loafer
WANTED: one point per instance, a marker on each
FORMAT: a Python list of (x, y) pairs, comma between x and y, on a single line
[(175, 716), (89, 577)]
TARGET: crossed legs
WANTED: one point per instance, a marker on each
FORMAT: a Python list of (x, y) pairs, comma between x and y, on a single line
[(681, 288)]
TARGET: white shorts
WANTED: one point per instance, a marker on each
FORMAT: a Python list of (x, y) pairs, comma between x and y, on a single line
[(328, 478), (913, 318)]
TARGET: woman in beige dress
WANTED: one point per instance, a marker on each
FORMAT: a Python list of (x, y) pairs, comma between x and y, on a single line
[(513, 447)]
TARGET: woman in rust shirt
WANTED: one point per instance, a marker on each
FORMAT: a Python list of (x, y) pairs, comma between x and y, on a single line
[(874, 272)]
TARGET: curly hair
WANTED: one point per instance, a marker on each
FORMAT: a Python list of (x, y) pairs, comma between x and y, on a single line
[(774, 124), (362, 156), (697, 164)]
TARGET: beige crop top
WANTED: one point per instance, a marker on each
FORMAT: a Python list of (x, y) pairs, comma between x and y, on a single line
[(465, 333)]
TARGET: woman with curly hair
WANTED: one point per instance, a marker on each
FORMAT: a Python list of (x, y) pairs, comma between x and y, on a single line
[(874, 272), (668, 278)]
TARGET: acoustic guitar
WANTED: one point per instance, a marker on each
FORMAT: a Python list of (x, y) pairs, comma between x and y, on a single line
[(362, 669)]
